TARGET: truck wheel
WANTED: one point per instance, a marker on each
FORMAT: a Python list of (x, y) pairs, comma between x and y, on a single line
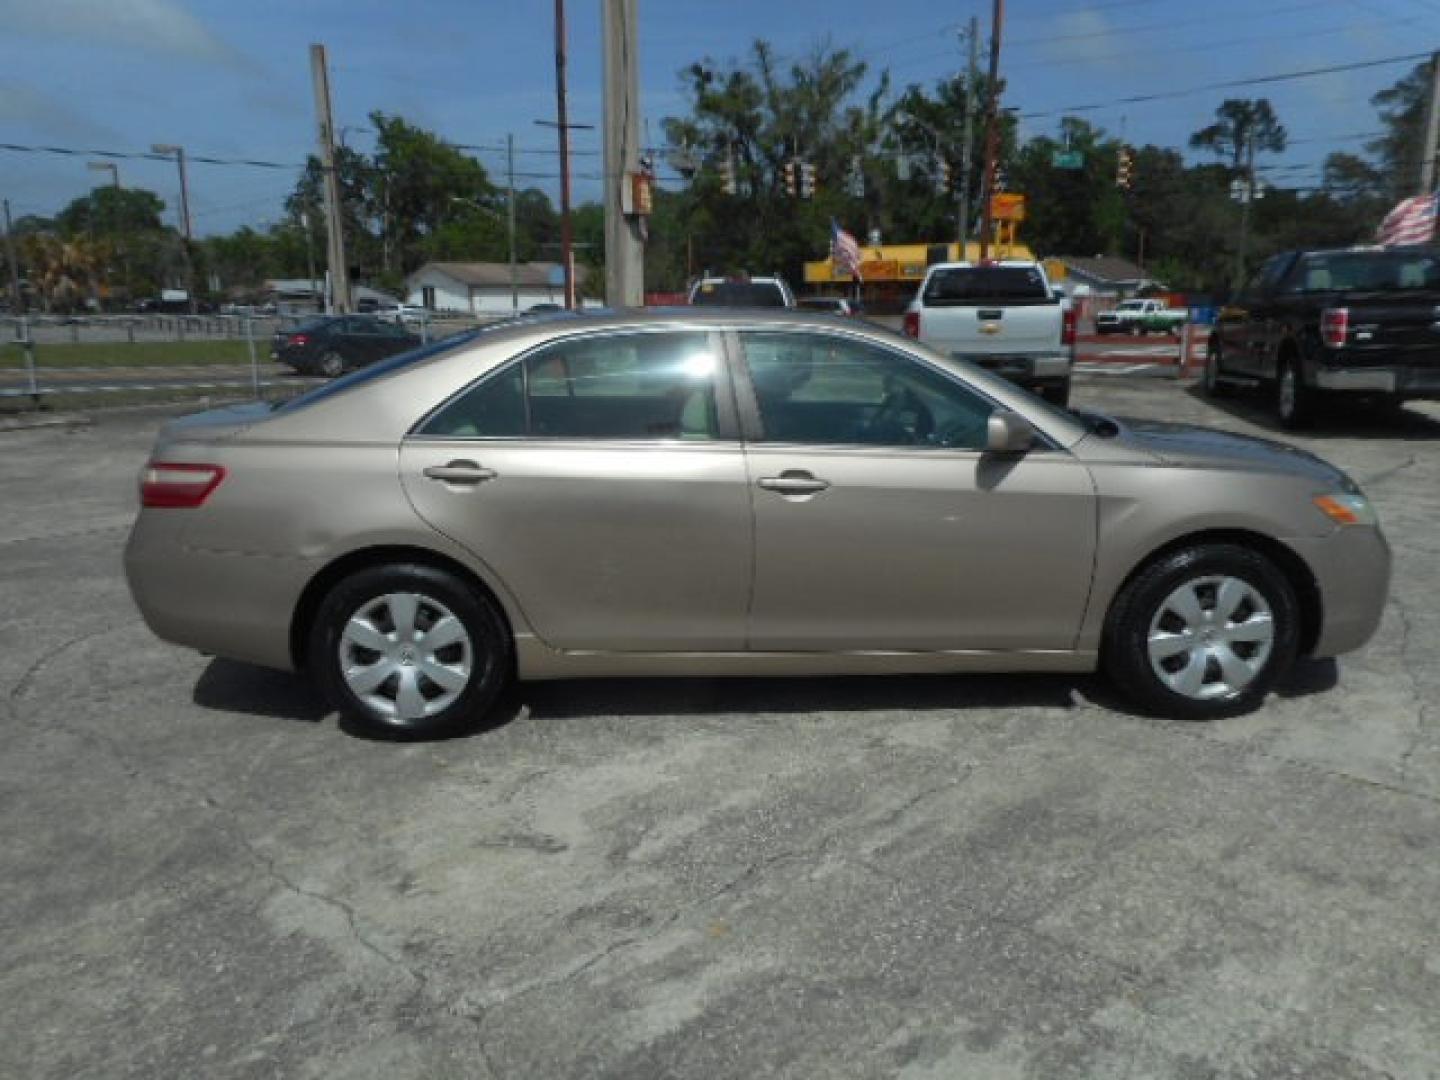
[(1213, 386), (1294, 401)]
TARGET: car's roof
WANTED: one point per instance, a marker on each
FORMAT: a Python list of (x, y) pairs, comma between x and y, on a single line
[(702, 316)]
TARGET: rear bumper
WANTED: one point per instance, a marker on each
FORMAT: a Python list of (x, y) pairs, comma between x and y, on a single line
[(233, 605), (1412, 380), (1023, 368), (1352, 571)]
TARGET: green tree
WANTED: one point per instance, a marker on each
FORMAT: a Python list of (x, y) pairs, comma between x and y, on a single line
[(1239, 123), (1402, 112), (109, 211)]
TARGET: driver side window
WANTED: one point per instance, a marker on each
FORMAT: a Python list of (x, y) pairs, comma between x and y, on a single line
[(836, 391)]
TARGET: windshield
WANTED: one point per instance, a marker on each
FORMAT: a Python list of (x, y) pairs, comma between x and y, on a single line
[(986, 284), (748, 294), (1371, 271), (385, 367)]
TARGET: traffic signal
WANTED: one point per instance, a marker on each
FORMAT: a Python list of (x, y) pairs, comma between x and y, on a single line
[(807, 180), (727, 175), (790, 185), (1124, 167)]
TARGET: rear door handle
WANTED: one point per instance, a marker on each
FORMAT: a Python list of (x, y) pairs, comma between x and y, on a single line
[(794, 483), (460, 472)]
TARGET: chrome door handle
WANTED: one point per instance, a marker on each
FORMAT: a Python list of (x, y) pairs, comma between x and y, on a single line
[(794, 483), (460, 472)]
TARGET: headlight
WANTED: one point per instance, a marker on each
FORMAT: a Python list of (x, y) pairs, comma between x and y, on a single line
[(1347, 508)]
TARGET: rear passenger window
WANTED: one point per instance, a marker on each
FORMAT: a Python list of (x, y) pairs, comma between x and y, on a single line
[(630, 386)]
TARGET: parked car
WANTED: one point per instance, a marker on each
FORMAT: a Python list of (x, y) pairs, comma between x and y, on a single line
[(834, 305), (1141, 317), (1353, 323), (721, 493), (1003, 316), (742, 292), (335, 344)]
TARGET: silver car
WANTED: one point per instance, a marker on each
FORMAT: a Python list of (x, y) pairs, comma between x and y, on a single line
[(735, 493)]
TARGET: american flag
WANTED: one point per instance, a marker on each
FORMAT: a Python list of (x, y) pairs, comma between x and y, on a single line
[(1411, 222), (844, 250)]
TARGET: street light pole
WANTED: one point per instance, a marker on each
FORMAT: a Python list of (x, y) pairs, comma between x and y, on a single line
[(178, 152)]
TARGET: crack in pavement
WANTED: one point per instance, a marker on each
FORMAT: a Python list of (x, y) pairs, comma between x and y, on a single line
[(1421, 705)]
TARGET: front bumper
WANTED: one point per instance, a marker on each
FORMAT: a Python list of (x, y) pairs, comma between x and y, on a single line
[(1352, 572)]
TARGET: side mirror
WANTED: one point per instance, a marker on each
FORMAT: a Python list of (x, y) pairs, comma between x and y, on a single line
[(1008, 432)]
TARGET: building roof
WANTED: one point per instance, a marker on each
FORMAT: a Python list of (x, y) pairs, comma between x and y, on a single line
[(497, 274), (1105, 269)]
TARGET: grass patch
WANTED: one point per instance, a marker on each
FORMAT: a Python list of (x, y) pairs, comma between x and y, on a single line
[(118, 354)]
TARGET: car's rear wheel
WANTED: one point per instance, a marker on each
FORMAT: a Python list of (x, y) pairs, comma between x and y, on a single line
[(332, 364), (1202, 632), (410, 651)]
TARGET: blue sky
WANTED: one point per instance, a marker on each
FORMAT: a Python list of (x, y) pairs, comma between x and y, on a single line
[(232, 79)]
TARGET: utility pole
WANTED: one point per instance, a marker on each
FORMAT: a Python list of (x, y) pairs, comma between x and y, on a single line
[(510, 213), (1246, 198), (1430, 148), (562, 127), (972, 75), (178, 152), (339, 299), (992, 132), (624, 243), (17, 304)]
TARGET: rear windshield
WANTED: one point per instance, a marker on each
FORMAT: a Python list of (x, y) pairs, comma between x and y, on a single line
[(963, 285), (1370, 271), (747, 294)]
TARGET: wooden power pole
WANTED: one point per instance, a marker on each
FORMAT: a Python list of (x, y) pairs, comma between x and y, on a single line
[(992, 133), (334, 223)]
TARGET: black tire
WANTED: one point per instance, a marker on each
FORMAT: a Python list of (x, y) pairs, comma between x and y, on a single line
[(1057, 394), (331, 364), (1125, 655), (1211, 381), (1294, 401), (491, 650)]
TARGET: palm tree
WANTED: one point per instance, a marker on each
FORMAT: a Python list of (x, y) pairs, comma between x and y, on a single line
[(62, 271)]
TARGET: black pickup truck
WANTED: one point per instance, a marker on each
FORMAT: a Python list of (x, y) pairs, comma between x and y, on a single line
[(1359, 322)]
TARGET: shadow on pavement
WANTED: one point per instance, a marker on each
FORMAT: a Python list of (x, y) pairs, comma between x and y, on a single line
[(1336, 418), (230, 686)]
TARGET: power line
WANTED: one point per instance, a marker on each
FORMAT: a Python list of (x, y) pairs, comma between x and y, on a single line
[(1230, 84), (121, 155)]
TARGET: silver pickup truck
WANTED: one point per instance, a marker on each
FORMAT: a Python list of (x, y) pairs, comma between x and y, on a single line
[(1003, 316)]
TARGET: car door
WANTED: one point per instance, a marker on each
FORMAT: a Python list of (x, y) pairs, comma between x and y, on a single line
[(602, 480), (881, 523)]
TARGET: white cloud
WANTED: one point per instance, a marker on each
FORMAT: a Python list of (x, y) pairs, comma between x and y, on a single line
[(27, 109), (161, 26), (1086, 37)]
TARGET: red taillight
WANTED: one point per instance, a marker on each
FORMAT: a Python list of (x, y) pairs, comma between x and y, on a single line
[(1068, 319), (175, 486), (1335, 327), (298, 340), (912, 324)]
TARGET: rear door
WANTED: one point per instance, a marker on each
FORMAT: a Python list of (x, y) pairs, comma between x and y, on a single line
[(601, 478), (880, 522), (978, 311)]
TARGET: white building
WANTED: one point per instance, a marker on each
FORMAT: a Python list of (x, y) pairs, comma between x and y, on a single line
[(483, 288)]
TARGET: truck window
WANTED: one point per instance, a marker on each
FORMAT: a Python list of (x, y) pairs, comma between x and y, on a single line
[(1370, 271), (742, 294), (970, 285)]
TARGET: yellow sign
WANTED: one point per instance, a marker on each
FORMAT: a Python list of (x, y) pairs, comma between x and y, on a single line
[(1007, 206)]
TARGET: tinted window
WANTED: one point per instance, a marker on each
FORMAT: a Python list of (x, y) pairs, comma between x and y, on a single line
[(747, 294), (830, 390), (986, 284), (631, 386), (1369, 271)]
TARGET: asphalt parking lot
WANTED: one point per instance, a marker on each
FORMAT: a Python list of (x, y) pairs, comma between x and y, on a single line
[(200, 874)]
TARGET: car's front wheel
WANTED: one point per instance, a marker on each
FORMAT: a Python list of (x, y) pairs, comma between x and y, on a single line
[(410, 651), (1202, 632)]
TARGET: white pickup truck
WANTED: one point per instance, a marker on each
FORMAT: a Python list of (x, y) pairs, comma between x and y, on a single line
[(1003, 316), (1141, 317)]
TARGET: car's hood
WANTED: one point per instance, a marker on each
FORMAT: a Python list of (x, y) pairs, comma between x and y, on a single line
[(1184, 444), (214, 425)]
